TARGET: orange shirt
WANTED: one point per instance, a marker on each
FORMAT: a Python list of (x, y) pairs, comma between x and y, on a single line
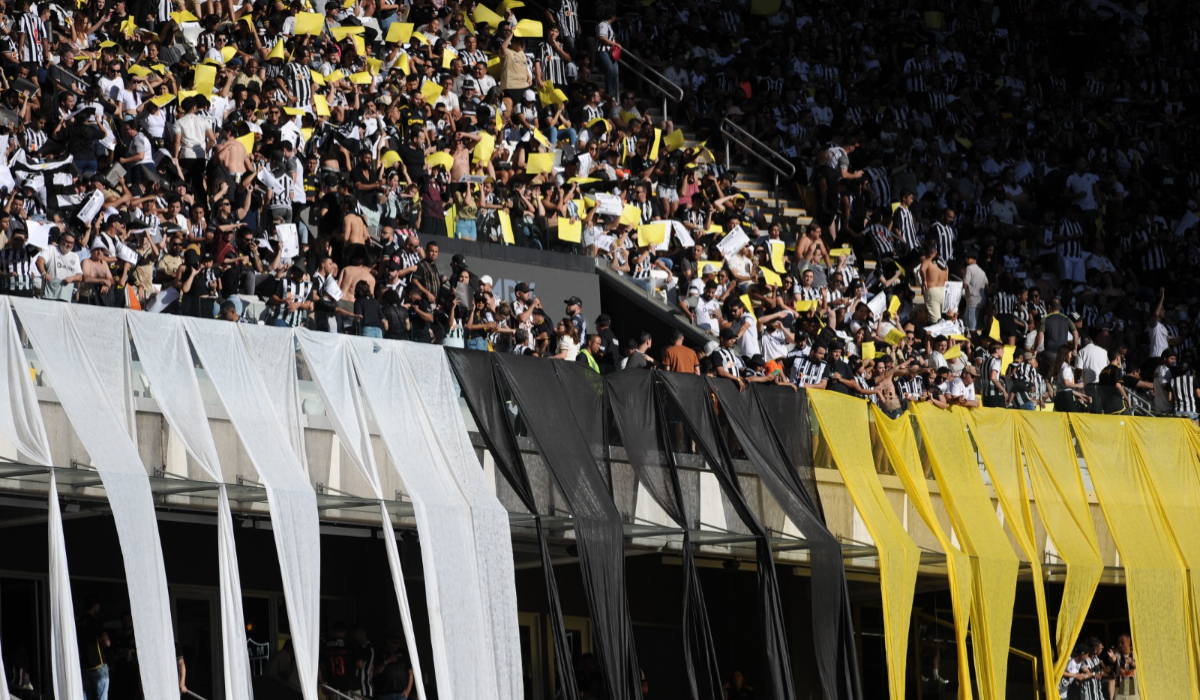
[(681, 358)]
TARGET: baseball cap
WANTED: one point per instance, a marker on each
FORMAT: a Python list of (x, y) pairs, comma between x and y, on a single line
[(603, 319), (486, 279), (728, 334), (521, 287), (710, 347), (970, 369), (530, 95), (459, 260), (574, 301)]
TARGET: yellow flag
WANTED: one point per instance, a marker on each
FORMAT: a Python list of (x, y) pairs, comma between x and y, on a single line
[(482, 14), (184, 16), (448, 56), (528, 28), (506, 227), (451, 222), (399, 33), (1006, 360), (431, 91), (630, 215), (506, 5), (894, 336), (539, 163), (321, 105), (570, 230), (317, 78), (340, 33), (651, 234), (674, 140), (484, 149), (868, 350), (309, 23), (654, 148), (247, 141), (129, 26), (293, 111), (205, 79), (994, 333), (441, 158)]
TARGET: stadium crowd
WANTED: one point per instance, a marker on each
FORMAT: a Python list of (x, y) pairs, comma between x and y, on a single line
[(1000, 213)]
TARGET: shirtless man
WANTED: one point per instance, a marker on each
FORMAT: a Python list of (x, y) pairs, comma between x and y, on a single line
[(934, 274), (463, 143), (97, 279), (354, 229), (885, 390), (355, 271)]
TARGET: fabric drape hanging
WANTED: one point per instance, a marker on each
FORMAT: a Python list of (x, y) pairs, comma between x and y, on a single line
[(20, 417), (1167, 452), (790, 427), (647, 445), (995, 433), (167, 361), (993, 562), (1063, 506), (64, 659), (108, 348), (331, 362), (546, 408), (1156, 576), (833, 634), (290, 497), (844, 421), (87, 399), (273, 352), (477, 378), (899, 441), (690, 396), (493, 536), (458, 619)]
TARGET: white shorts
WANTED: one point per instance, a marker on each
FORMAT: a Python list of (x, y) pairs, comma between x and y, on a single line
[(668, 194)]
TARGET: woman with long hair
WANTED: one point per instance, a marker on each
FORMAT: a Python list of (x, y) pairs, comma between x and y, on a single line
[(568, 341), (1067, 395)]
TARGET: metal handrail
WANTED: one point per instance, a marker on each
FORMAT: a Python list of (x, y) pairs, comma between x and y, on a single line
[(669, 88), (1011, 650), (198, 697), (766, 159), (335, 692)]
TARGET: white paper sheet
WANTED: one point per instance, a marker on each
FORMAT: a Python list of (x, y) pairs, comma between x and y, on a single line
[(733, 241), (458, 619), (167, 361), (953, 295), (89, 398), (293, 504)]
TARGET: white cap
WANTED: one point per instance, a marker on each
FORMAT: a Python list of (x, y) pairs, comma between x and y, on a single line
[(486, 279)]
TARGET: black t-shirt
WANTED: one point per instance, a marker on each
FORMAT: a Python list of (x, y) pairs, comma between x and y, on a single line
[(331, 220), (371, 312), (831, 176), (339, 665), (609, 348), (88, 632), (393, 679), (365, 175), (1111, 375), (413, 158), (421, 327)]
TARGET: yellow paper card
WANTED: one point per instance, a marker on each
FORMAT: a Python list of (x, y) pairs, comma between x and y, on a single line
[(317, 78), (451, 221), (448, 56), (749, 308), (276, 50), (360, 45), (539, 163), (139, 71), (1007, 359), (431, 91), (952, 353), (777, 251), (893, 306), (363, 78), (403, 63), (868, 350), (630, 215), (842, 252), (340, 33), (309, 23), (184, 16), (163, 100), (570, 230), (482, 14), (600, 120), (715, 228), (247, 141), (654, 147), (528, 28), (159, 68), (652, 234), (373, 65), (506, 227), (293, 111), (321, 105), (994, 333), (806, 306), (674, 140), (306, 134), (421, 38), (440, 158), (205, 79), (541, 138), (484, 149), (389, 159), (894, 336), (770, 278), (399, 33), (509, 5), (228, 53)]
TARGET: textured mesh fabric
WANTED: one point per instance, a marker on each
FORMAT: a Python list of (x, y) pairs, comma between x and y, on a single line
[(690, 396), (273, 353), (493, 539), (590, 408), (788, 420), (899, 441), (1166, 450), (293, 504), (832, 629), (993, 562), (87, 399), (458, 619), (844, 422), (1062, 504), (477, 378), (108, 347), (167, 361), (637, 412), (1156, 576), (545, 406), (64, 659), (410, 636), (995, 433)]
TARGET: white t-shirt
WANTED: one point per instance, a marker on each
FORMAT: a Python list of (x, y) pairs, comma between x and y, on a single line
[(1162, 387), (1158, 339), (572, 348), (774, 344), (966, 390), (192, 141), (748, 344), (1092, 360), (1083, 183), (707, 311)]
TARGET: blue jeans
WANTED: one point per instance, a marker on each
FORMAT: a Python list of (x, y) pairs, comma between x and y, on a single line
[(95, 683), (477, 344), (465, 229), (572, 135), (612, 72), (372, 332), (972, 318), (87, 166), (1027, 406)]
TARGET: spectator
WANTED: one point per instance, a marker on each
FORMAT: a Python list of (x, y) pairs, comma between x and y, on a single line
[(393, 675), (93, 640), (568, 341), (638, 356), (679, 357), (1163, 376)]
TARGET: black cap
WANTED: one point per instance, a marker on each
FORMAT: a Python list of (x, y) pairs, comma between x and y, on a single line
[(459, 260), (755, 361), (603, 320), (479, 296), (521, 287), (728, 334), (576, 301)]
